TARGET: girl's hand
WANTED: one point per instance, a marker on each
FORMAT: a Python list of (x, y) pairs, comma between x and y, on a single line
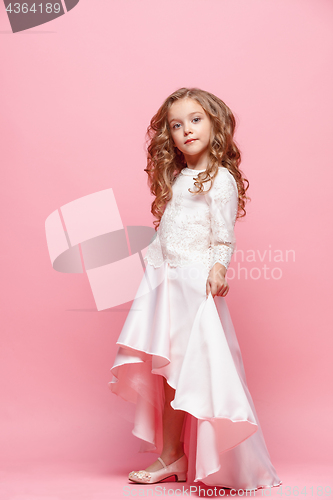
[(216, 281)]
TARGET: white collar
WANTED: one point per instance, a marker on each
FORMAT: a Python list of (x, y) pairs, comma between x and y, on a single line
[(191, 171)]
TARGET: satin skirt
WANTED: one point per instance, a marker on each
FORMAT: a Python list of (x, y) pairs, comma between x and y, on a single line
[(173, 331)]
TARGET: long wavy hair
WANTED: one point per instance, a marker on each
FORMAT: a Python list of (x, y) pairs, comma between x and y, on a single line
[(165, 160)]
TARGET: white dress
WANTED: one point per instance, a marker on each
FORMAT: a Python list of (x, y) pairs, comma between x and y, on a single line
[(172, 330)]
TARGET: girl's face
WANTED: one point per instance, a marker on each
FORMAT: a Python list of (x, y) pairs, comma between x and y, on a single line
[(190, 127)]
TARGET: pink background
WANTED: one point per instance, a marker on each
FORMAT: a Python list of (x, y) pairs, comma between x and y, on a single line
[(77, 95)]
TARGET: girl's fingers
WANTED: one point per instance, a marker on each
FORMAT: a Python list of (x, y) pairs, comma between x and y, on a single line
[(223, 290), (215, 290), (212, 288)]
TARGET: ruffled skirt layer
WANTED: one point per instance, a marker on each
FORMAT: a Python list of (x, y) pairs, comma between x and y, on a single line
[(172, 330)]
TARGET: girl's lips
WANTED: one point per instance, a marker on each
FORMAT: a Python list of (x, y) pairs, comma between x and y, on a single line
[(191, 140)]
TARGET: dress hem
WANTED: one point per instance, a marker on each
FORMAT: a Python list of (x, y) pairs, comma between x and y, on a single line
[(206, 371)]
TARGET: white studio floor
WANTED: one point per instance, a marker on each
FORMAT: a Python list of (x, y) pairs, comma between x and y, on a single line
[(97, 482)]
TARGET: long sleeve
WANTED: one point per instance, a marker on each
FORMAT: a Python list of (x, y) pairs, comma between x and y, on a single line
[(222, 199)]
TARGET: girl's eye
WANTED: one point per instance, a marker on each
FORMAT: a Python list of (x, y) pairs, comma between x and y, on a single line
[(197, 118)]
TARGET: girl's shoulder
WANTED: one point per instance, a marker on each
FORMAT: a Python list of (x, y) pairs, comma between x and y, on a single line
[(223, 171), (223, 180)]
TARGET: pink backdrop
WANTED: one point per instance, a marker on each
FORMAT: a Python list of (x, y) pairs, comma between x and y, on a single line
[(76, 97)]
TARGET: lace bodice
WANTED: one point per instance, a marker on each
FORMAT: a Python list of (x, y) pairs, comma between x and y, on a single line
[(197, 227)]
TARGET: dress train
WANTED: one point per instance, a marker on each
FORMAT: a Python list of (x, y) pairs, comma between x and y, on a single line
[(174, 331)]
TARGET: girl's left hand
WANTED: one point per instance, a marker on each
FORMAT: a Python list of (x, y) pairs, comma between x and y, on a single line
[(216, 281)]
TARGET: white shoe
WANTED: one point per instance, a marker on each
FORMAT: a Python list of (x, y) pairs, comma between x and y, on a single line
[(177, 469)]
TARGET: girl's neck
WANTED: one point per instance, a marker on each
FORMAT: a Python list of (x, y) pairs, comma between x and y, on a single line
[(195, 167)]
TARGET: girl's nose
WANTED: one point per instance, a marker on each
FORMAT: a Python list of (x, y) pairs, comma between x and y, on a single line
[(187, 129)]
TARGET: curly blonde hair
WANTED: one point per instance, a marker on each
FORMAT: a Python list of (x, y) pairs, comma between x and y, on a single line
[(165, 161)]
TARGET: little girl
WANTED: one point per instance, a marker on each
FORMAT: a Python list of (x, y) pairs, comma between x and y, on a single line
[(178, 358)]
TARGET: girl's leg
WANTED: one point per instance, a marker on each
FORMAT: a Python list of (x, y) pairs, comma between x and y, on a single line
[(172, 429)]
